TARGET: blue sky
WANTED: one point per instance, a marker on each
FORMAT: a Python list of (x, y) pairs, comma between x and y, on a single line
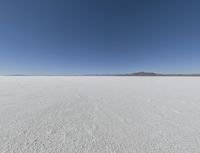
[(99, 36)]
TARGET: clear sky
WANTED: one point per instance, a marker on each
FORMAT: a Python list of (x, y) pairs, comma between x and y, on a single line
[(99, 36)]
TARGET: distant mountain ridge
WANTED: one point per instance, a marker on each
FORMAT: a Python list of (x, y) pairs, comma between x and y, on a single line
[(158, 74), (145, 74), (127, 74)]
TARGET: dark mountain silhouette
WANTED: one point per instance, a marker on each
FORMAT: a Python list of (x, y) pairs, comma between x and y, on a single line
[(145, 74), (127, 74), (158, 74)]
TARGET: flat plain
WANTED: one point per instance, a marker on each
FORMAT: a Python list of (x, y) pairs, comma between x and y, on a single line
[(52, 114)]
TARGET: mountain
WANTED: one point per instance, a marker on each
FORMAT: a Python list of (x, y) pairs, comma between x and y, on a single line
[(158, 74), (145, 74), (127, 74)]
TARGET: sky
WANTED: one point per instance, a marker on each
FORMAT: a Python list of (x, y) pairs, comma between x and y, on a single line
[(61, 37)]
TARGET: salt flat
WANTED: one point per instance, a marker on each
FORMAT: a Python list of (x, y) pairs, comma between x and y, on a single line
[(99, 114)]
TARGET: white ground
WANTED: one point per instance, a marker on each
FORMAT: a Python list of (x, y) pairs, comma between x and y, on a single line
[(99, 115)]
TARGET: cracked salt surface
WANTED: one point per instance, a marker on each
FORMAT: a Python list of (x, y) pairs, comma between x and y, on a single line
[(99, 114)]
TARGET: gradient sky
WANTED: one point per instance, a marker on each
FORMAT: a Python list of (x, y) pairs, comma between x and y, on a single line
[(99, 36)]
